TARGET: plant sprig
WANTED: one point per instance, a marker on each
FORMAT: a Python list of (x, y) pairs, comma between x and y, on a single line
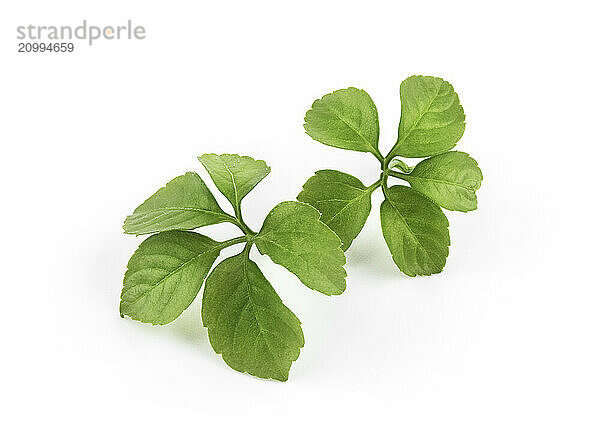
[(413, 223), (247, 322)]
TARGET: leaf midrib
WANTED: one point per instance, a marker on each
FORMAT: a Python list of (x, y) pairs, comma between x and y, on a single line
[(235, 190), (132, 221), (173, 272), (294, 254), (407, 133), (444, 182), (345, 207), (369, 145), (413, 235)]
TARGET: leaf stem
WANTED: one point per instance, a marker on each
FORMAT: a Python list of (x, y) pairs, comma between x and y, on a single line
[(233, 241), (374, 185), (240, 223), (244, 227), (399, 175), (247, 248), (384, 174), (384, 187), (378, 155)]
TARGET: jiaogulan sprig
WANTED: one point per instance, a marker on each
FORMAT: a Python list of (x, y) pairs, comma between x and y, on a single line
[(413, 223), (247, 322)]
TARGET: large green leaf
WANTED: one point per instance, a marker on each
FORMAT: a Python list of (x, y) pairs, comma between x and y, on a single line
[(247, 322), (343, 201), (165, 274), (432, 120), (415, 230), (449, 179), (294, 237), (345, 119), (184, 203), (234, 175)]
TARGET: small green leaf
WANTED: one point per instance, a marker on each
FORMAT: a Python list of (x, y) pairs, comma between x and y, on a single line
[(432, 120), (165, 274), (449, 179), (345, 119), (343, 201), (184, 203), (396, 163), (247, 322), (234, 175), (415, 230), (293, 236)]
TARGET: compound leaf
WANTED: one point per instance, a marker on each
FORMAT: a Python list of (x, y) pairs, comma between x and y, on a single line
[(343, 201), (247, 322), (415, 230), (165, 274), (293, 236), (345, 119), (184, 203), (432, 119), (234, 175), (449, 179)]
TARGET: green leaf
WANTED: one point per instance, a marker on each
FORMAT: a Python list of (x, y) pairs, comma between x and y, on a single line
[(449, 179), (247, 322), (184, 203), (396, 163), (415, 230), (293, 236), (432, 120), (343, 201), (345, 119), (234, 175), (165, 274)]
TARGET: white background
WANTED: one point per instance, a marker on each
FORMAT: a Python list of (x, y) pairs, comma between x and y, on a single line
[(500, 347)]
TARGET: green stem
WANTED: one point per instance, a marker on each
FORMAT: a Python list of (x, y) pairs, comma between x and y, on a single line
[(399, 175), (374, 185), (384, 174), (239, 222), (233, 241), (247, 248), (242, 224), (392, 154), (384, 187), (378, 155)]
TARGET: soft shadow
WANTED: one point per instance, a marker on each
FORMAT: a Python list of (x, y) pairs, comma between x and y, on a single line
[(370, 253), (104, 269), (188, 327)]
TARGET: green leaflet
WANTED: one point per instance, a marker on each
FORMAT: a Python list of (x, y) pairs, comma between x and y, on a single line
[(247, 322), (432, 120), (449, 179), (235, 176), (415, 230), (293, 236), (184, 203), (343, 201), (396, 163), (165, 274), (345, 119)]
